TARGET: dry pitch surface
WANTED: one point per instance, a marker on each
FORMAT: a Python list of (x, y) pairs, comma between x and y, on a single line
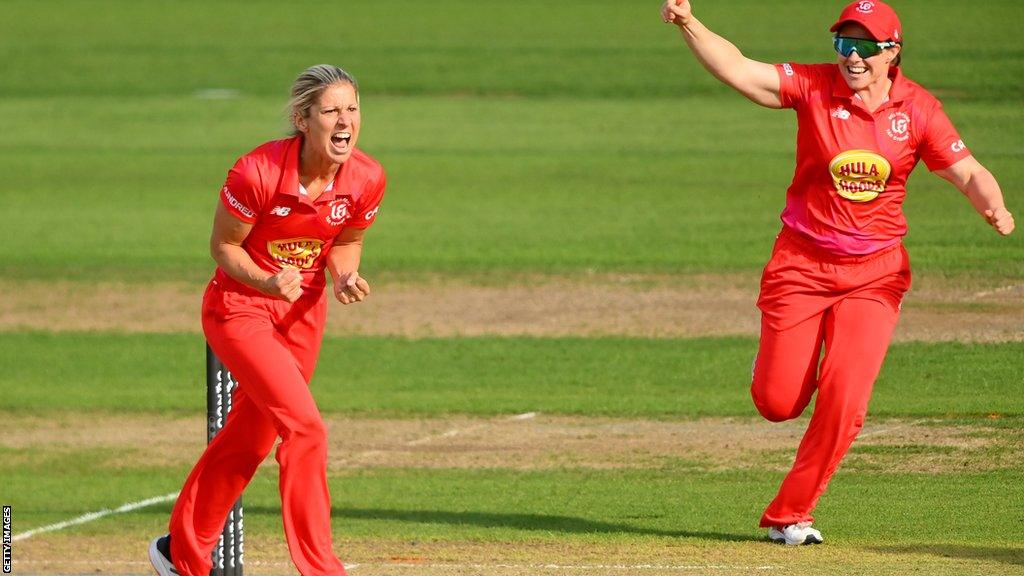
[(389, 558), (657, 306), (649, 306), (539, 442)]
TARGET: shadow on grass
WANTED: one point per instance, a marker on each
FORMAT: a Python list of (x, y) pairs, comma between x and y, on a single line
[(1014, 556), (531, 522)]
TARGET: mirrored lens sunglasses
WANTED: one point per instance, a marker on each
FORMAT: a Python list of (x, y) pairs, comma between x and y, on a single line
[(864, 48)]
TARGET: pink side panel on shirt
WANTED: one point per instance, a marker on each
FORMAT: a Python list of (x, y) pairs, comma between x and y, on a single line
[(818, 93)]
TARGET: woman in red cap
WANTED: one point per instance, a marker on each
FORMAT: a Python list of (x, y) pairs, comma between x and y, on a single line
[(291, 212), (838, 270)]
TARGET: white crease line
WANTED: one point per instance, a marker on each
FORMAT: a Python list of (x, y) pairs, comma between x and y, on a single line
[(448, 434), (892, 429), (1011, 288), (168, 497), (147, 563), (524, 416), (95, 516), (457, 431)]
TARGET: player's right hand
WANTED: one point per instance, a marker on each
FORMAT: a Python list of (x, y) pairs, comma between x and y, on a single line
[(676, 12), (1001, 219), (286, 285)]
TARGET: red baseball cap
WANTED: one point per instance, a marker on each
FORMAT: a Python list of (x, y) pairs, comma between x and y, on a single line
[(878, 17)]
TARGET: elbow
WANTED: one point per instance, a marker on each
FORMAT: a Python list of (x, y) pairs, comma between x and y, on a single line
[(974, 183), (217, 251)]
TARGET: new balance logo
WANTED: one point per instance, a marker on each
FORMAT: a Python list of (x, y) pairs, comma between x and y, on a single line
[(841, 113), (281, 211)]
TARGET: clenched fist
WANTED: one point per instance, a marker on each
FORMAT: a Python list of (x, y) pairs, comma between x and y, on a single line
[(676, 12), (286, 285), (1000, 219)]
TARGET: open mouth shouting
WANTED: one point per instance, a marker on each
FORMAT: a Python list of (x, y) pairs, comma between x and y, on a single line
[(341, 141), (332, 124)]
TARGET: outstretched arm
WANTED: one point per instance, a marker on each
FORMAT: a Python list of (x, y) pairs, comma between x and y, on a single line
[(981, 188), (757, 81)]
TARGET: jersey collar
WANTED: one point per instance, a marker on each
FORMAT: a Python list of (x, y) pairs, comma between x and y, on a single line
[(289, 183), (897, 92)]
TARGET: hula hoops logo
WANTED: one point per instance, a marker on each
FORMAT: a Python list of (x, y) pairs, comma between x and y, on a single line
[(859, 175), (298, 253)]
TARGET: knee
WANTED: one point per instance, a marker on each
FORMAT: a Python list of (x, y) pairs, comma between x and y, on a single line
[(776, 411), (776, 407), (244, 441), (307, 430)]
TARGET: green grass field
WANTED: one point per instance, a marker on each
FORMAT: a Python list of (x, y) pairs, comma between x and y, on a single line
[(522, 140)]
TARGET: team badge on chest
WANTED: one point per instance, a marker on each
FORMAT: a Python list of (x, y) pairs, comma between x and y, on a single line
[(899, 126), (339, 211)]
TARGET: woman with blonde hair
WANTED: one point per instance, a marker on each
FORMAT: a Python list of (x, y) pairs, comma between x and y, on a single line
[(290, 210)]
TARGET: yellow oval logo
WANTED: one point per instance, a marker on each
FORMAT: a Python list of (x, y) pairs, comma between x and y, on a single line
[(859, 175), (298, 253)]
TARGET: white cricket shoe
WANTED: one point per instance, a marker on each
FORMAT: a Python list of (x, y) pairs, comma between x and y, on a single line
[(160, 556), (795, 534)]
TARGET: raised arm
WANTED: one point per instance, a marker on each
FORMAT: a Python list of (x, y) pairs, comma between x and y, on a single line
[(757, 81), (981, 188)]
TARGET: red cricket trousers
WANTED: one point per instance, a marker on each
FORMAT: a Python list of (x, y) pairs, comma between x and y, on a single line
[(812, 299), (271, 347)]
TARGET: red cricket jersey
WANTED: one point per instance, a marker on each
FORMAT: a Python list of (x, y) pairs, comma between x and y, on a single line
[(852, 165), (262, 189)]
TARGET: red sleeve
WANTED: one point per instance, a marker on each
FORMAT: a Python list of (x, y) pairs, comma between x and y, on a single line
[(797, 82), (369, 203), (941, 146), (241, 192)]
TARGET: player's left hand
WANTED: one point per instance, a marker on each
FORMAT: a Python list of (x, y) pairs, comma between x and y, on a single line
[(676, 12), (350, 288), (1000, 219)]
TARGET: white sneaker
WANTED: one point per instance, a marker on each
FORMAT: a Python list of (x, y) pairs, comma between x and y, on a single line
[(795, 534), (160, 556)]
